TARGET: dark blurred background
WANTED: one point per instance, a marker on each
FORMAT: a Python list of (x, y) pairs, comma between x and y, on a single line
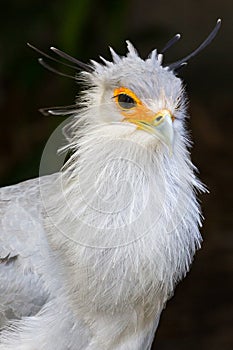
[(200, 316)]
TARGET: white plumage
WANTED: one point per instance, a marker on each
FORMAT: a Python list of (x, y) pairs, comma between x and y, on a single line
[(90, 255)]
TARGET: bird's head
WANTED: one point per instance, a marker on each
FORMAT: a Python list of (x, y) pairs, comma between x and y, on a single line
[(141, 97)]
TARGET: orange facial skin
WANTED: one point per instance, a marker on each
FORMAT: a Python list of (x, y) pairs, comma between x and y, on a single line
[(137, 113)]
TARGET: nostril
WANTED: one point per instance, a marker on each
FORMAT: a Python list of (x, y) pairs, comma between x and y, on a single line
[(159, 118)]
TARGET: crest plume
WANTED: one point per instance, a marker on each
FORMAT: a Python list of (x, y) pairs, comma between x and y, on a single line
[(176, 65)]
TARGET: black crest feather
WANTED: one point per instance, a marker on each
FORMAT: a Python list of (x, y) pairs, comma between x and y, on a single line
[(178, 64), (76, 63)]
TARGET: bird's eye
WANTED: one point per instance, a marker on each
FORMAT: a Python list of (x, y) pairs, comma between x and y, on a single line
[(125, 101)]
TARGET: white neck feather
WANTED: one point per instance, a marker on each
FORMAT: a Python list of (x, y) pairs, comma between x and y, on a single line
[(121, 228)]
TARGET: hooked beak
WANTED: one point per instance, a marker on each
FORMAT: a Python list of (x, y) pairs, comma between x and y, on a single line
[(159, 124)]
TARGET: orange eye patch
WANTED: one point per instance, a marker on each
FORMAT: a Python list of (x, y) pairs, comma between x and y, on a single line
[(125, 98)]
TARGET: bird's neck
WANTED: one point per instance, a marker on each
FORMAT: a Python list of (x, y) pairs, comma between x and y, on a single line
[(125, 219), (116, 189)]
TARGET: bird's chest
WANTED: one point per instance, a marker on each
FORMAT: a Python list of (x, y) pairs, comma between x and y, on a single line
[(113, 225), (117, 279)]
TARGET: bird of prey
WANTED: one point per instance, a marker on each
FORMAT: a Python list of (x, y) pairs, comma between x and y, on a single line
[(90, 255)]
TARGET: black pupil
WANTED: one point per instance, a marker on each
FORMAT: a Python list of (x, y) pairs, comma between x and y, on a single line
[(125, 101)]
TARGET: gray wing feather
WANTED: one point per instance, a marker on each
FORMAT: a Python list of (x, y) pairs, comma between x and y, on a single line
[(22, 247)]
